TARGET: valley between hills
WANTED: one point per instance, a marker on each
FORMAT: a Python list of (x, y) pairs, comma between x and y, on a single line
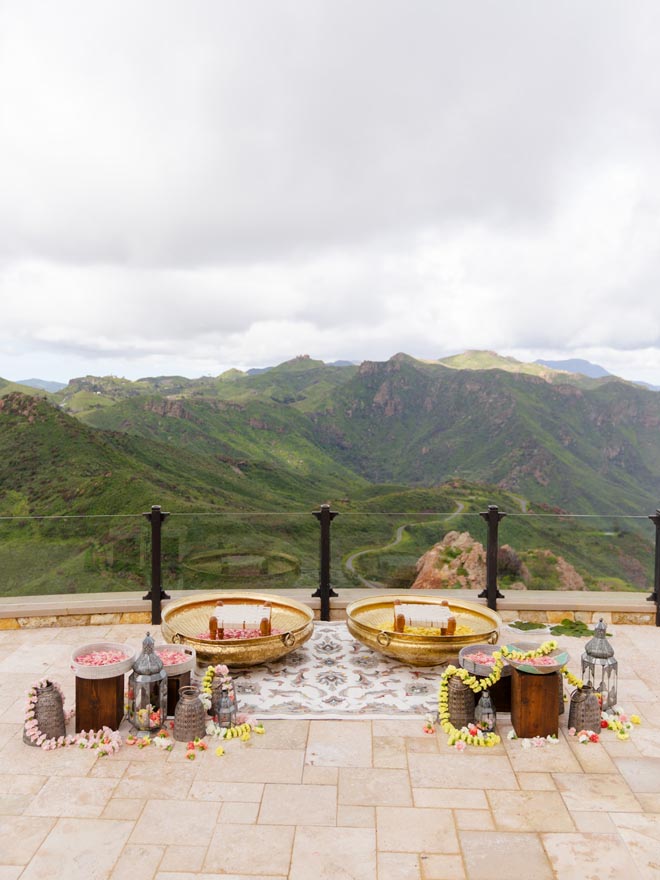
[(407, 451)]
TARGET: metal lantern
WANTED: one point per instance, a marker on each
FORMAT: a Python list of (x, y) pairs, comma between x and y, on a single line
[(599, 668), (147, 689), (223, 701), (484, 713)]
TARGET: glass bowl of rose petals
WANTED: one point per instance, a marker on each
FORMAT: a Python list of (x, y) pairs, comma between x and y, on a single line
[(102, 660), (177, 659), (479, 660), (552, 662)]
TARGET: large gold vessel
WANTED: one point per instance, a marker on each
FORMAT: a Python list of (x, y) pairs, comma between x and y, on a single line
[(371, 621), (185, 619)]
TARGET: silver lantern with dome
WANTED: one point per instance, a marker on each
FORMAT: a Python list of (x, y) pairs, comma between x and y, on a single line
[(147, 689)]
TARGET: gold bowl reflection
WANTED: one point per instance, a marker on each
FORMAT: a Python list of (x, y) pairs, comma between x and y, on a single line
[(371, 621), (185, 619)]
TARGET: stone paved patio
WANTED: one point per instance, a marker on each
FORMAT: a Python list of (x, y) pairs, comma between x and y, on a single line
[(364, 799)]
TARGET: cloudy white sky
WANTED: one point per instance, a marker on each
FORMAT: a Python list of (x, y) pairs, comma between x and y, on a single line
[(186, 187)]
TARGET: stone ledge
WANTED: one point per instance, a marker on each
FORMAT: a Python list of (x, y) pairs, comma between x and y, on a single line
[(94, 609)]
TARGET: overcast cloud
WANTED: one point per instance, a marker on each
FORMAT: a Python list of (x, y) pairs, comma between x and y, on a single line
[(186, 187)]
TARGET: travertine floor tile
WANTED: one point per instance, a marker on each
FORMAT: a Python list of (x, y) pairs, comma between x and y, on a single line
[(529, 811), (409, 829), (123, 808), (350, 855), (27, 785), (390, 751), (313, 775), (356, 817), (536, 781), (79, 849), (549, 759), (281, 734), (398, 866), (258, 765), (137, 860), (445, 798), (252, 849), (238, 812), (177, 875), (474, 820), (582, 791), (171, 820), (17, 758), (339, 744), (72, 797), (298, 805), (430, 744), (374, 787), (641, 834), (593, 758), (594, 823), (180, 857), (650, 802), (217, 790), (400, 727), (442, 867), (10, 872), (641, 774), (21, 836), (143, 782), (576, 856), (461, 771), (501, 855)]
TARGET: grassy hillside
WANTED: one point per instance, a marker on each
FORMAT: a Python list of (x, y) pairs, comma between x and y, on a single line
[(241, 460)]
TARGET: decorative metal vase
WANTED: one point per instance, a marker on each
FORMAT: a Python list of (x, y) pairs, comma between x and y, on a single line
[(147, 689), (460, 703), (189, 716), (49, 712), (584, 712)]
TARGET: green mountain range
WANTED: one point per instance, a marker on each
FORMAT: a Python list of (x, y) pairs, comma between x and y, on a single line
[(241, 460)]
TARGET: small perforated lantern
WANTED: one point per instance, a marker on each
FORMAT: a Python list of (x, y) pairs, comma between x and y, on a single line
[(147, 689), (484, 713), (599, 668)]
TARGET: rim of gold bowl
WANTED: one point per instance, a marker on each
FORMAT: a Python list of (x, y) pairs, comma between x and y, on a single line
[(371, 621), (184, 619)]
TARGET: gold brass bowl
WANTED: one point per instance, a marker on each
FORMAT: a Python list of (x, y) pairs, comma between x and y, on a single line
[(184, 619), (371, 621)]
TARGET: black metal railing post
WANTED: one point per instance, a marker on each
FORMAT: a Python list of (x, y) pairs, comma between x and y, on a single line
[(491, 593), (325, 517), (156, 517), (655, 595)]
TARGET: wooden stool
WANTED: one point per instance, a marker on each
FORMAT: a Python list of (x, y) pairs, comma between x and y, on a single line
[(500, 694), (99, 703), (534, 704), (174, 682)]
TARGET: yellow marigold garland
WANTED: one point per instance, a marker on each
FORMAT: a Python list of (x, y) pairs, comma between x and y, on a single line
[(476, 685)]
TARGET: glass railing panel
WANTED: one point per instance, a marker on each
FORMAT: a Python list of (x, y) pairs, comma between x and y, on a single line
[(64, 555)]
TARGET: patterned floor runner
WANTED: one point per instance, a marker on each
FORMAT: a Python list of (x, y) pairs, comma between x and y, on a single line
[(334, 676)]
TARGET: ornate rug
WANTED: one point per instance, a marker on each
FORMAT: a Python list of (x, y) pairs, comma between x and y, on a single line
[(334, 676)]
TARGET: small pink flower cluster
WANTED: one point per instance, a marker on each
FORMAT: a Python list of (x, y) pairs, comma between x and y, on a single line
[(193, 744), (584, 736), (105, 740), (101, 658)]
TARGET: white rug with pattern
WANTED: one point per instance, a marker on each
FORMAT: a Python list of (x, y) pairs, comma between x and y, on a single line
[(333, 675)]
